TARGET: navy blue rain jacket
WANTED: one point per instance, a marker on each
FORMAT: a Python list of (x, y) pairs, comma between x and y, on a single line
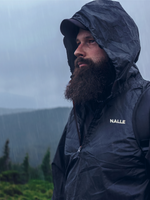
[(110, 164)]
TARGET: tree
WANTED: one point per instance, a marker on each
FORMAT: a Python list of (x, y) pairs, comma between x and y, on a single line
[(5, 160), (46, 167), (25, 167)]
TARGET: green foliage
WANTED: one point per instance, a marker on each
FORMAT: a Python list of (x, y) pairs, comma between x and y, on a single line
[(12, 190), (11, 176), (35, 189), (33, 173), (23, 182), (46, 167)]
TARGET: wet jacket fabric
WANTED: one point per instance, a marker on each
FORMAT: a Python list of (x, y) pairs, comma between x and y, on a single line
[(108, 163)]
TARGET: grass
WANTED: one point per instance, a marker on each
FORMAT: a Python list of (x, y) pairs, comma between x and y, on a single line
[(33, 190)]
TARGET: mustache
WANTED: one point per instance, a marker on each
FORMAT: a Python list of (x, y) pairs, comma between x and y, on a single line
[(82, 60)]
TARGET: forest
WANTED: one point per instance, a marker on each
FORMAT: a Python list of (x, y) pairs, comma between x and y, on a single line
[(22, 181), (27, 147)]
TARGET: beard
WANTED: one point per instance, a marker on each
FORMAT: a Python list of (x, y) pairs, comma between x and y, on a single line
[(92, 82)]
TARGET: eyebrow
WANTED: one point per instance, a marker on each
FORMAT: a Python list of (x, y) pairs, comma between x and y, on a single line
[(87, 37)]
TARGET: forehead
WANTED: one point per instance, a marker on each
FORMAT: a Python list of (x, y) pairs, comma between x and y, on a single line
[(83, 34)]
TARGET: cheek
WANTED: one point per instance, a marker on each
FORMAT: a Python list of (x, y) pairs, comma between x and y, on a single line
[(101, 53), (98, 55)]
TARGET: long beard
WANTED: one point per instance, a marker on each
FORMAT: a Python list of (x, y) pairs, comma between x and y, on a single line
[(90, 83)]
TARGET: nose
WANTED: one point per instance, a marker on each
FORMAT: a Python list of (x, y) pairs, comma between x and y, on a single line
[(79, 51)]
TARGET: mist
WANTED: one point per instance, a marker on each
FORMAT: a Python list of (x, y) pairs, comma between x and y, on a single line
[(34, 68)]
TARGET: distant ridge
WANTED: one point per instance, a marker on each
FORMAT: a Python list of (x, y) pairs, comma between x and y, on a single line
[(33, 133), (7, 111)]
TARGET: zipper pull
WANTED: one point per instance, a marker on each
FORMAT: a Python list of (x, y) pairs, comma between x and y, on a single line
[(79, 149)]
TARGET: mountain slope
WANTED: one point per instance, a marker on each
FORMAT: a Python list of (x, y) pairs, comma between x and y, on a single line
[(33, 133)]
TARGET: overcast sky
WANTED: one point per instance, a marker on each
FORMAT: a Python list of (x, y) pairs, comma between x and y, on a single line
[(33, 63)]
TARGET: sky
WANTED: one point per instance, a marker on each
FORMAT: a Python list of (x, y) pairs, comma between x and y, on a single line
[(34, 70)]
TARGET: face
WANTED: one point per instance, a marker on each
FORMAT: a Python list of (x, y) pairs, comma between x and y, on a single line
[(92, 64), (87, 49)]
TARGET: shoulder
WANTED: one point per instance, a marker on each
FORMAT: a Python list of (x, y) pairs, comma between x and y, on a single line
[(143, 105), (141, 118)]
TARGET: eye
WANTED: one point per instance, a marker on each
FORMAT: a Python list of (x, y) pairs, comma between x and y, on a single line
[(92, 41), (78, 43)]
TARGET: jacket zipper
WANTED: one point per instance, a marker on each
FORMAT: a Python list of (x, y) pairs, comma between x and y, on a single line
[(79, 135), (79, 149)]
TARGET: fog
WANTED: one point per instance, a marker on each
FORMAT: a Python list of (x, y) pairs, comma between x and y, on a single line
[(33, 63)]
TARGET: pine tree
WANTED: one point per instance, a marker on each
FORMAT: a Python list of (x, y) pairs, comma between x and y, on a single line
[(25, 167), (5, 160), (46, 167), (6, 149)]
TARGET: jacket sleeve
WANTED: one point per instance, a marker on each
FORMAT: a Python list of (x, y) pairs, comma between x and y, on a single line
[(142, 125), (58, 170)]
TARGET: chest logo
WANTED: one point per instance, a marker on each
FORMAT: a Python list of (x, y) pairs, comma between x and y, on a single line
[(117, 121)]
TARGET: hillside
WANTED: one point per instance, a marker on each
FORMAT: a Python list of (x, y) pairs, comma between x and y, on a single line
[(33, 133), (6, 111)]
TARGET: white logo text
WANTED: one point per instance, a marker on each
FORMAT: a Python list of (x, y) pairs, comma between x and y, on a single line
[(117, 121)]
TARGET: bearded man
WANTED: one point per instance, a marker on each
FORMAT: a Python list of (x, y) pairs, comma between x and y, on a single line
[(93, 73), (104, 151)]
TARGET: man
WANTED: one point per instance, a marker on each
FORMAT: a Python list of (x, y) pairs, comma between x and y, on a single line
[(101, 155)]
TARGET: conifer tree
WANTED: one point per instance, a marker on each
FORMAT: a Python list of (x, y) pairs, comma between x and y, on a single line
[(5, 160), (46, 167), (25, 167), (6, 155)]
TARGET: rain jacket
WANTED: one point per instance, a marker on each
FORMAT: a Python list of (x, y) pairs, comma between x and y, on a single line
[(109, 164)]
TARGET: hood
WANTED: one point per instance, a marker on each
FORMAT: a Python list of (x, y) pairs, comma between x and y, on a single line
[(114, 31)]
